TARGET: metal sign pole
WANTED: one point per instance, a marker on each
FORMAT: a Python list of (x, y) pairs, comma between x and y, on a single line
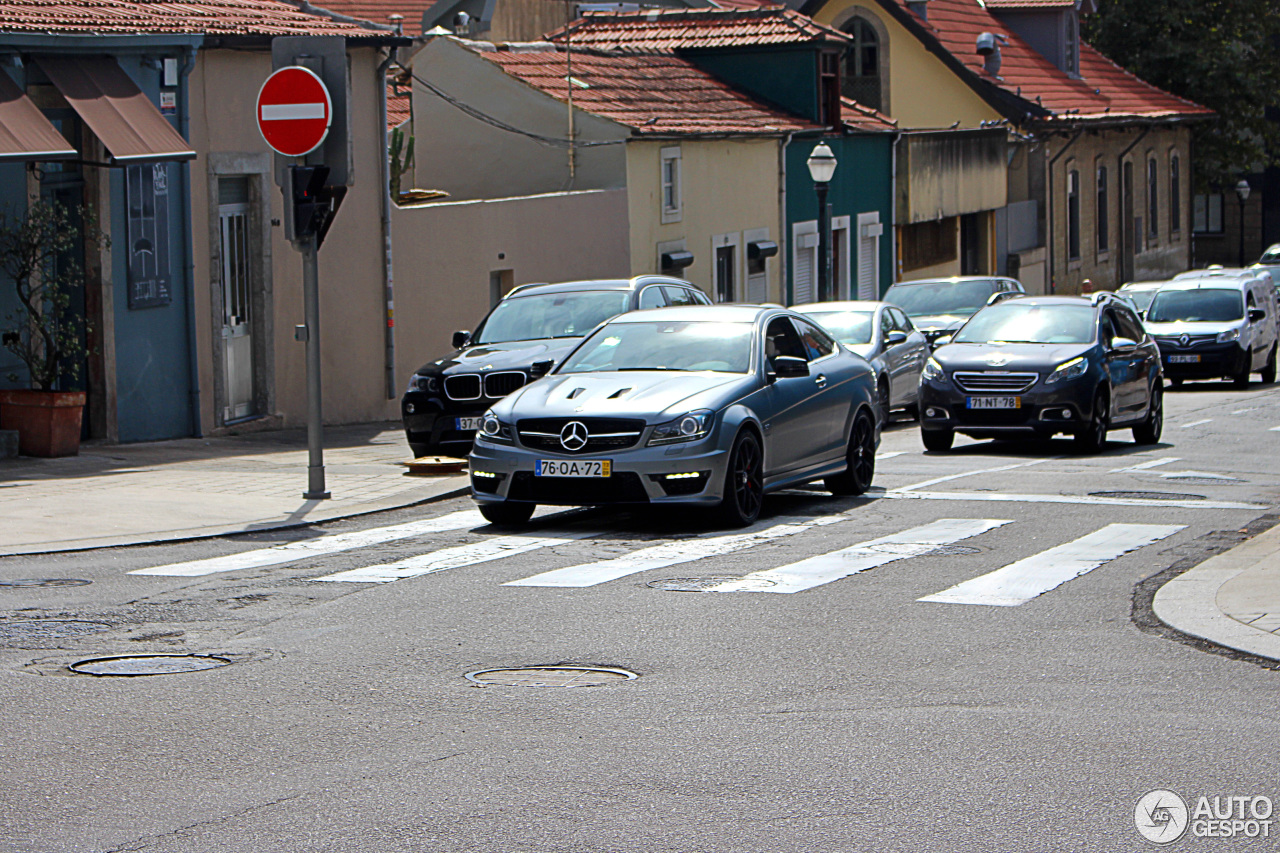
[(315, 423)]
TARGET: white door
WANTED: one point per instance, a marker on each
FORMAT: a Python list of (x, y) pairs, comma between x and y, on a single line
[(804, 268), (869, 230), (237, 337)]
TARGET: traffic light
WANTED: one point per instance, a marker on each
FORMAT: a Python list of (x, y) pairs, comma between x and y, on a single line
[(314, 203)]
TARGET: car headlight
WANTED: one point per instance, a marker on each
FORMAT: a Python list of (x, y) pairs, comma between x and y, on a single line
[(690, 427), (933, 371), (493, 429), (1228, 336), (1073, 369), (429, 384)]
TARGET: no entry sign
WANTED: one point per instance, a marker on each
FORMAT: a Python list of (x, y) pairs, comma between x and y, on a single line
[(294, 111)]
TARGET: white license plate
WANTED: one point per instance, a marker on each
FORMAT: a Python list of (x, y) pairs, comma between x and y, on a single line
[(994, 403), (472, 424), (1184, 359), (573, 467)]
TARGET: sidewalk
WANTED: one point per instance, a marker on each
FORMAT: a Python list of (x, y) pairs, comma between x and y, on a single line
[(130, 494)]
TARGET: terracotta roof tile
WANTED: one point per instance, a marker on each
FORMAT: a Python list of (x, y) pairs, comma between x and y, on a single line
[(669, 30), (653, 95), (1103, 91), (377, 11), (1029, 4), (859, 117), (398, 105), (211, 17)]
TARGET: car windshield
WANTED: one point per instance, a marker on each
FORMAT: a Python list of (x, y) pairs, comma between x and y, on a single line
[(1192, 306), (1140, 298), (551, 315), (960, 298), (658, 345), (1271, 256), (1019, 323), (849, 327)]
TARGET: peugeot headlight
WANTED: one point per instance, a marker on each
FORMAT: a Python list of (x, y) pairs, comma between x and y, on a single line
[(1228, 336), (1073, 369), (690, 427), (421, 382), (493, 429), (933, 371)]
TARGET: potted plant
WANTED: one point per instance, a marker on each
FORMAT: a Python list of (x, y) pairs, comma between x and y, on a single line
[(37, 257)]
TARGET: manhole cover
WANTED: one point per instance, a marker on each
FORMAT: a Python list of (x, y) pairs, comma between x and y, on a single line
[(705, 584), (1147, 496), (35, 582), (148, 664), (939, 551), (44, 630), (551, 676)]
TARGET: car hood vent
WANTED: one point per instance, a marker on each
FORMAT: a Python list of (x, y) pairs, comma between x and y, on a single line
[(616, 394), (575, 392)]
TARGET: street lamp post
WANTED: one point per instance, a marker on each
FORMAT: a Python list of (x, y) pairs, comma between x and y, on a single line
[(822, 165), (1242, 193)]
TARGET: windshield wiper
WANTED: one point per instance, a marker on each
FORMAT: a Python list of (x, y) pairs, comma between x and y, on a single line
[(676, 369)]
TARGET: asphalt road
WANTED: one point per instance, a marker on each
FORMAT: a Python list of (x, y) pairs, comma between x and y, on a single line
[(805, 698)]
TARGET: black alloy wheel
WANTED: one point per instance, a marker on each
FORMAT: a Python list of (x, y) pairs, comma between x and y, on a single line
[(743, 482), (1148, 432), (937, 440), (1094, 436), (860, 459), (1268, 373), (507, 513)]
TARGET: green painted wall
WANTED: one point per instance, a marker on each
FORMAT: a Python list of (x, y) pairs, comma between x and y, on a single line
[(782, 77)]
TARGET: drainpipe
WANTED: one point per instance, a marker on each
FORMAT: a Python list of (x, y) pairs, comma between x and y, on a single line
[(1049, 214), (188, 249), (388, 289), (782, 218), (1124, 226), (893, 209)]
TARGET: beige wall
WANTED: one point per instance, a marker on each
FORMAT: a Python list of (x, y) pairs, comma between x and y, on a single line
[(224, 87), (446, 254), (925, 93), (729, 189)]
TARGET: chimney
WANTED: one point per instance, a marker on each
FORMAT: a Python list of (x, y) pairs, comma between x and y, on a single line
[(920, 7), (397, 21)]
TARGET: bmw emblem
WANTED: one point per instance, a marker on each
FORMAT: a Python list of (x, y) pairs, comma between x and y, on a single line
[(1184, 340), (574, 436)]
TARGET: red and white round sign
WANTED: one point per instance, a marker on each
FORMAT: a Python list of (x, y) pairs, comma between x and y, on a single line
[(294, 111)]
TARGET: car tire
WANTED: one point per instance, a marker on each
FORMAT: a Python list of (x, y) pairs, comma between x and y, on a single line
[(420, 450), (1176, 382), (743, 482), (1148, 432), (1268, 372), (860, 459), (937, 440), (1094, 436), (1241, 379), (913, 412), (508, 513), (882, 401)]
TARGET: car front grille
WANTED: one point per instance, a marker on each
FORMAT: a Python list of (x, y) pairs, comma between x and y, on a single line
[(995, 383), (498, 385), (1192, 341), (463, 386), (604, 434), (622, 487)]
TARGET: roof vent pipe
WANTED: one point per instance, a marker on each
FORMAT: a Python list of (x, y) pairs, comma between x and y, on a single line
[(989, 49), (920, 7)]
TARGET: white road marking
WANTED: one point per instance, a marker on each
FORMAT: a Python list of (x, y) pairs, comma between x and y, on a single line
[(825, 568), (279, 554), (1241, 411), (1196, 423), (1020, 582), (890, 454), (1275, 429), (673, 553), (1199, 475), (457, 557), (1142, 466), (1060, 499), (937, 480)]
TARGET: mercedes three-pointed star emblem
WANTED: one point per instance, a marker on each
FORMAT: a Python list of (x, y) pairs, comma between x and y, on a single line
[(574, 436)]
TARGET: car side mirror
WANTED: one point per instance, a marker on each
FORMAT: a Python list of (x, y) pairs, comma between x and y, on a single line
[(461, 339), (1123, 344), (895, 337), (942, 341), (1256, 314), (1142, 315), (539, 369), (790, 366)]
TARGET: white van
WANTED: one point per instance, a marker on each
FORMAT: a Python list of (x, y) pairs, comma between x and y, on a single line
[(1215, 323)]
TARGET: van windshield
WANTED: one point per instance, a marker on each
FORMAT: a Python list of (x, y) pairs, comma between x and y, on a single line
[(959, 298), (1196, 306)]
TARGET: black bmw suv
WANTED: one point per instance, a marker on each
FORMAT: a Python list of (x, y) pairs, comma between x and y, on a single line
[(534, 323), (1044, 365)]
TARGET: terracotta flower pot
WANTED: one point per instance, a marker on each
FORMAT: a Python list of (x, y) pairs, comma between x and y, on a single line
[(48, 422)]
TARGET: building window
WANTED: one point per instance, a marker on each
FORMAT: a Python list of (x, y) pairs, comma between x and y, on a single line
[(1103, 224), (829, 88), (1206, 213), (927, 244), (1153, 202), (862, 64), (147, 194), (1073, 215), (1175, 195), (671, 184), (1071, 43)]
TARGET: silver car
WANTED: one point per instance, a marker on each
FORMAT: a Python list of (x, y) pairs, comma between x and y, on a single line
[(710, 405), (883, 335)]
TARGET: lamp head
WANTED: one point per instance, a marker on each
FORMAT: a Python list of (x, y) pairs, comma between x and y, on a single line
[(822, 163)]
